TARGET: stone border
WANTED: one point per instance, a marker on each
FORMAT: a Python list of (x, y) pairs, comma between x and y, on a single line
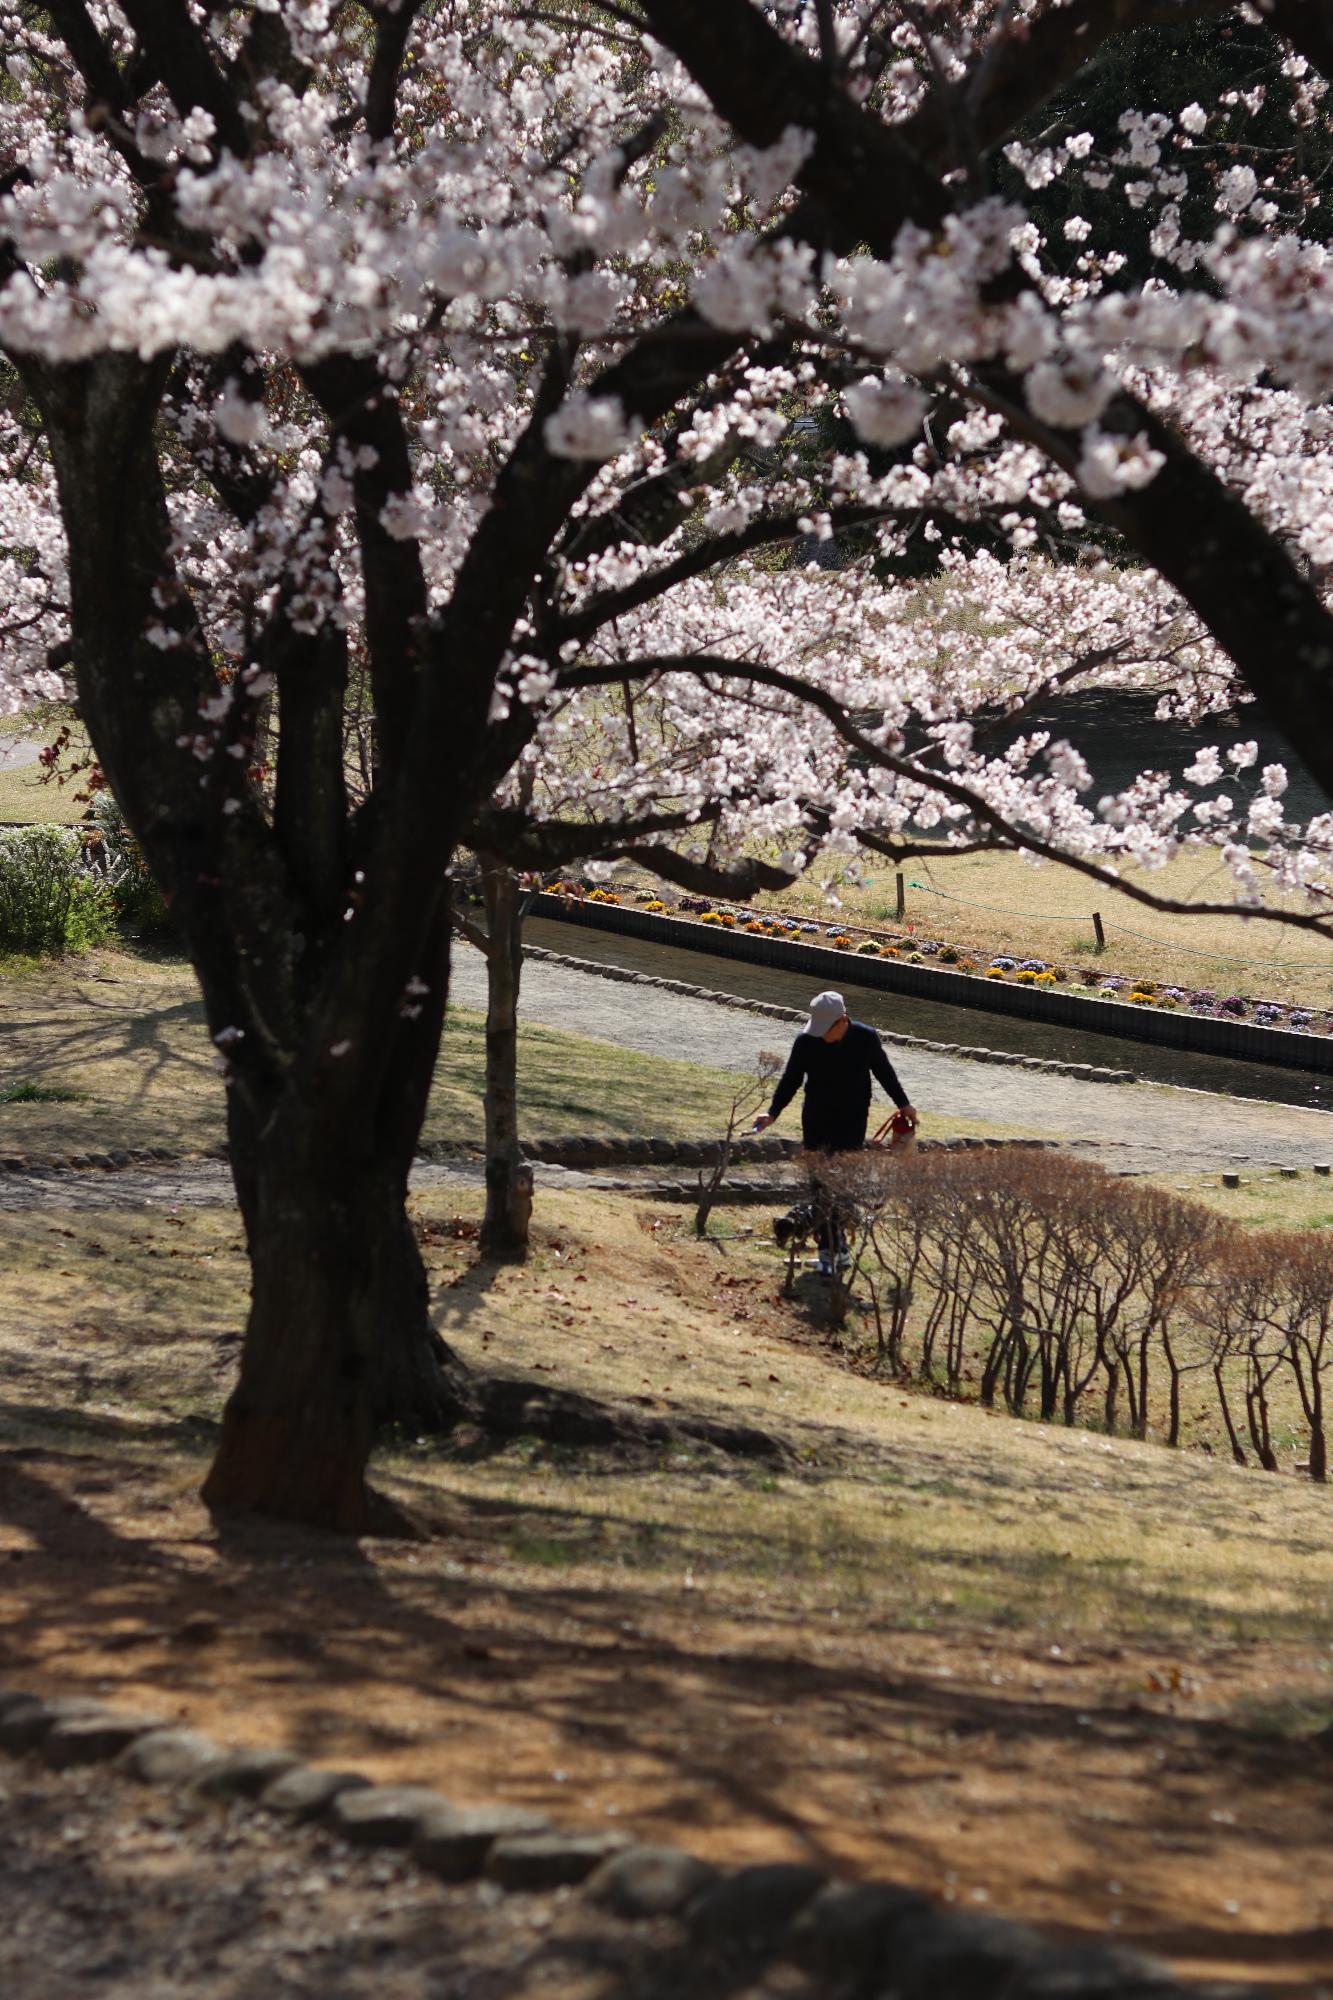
[(590, 1150), (1064, 1007), (868, 1937), (1089, 1072), (112, 1162)]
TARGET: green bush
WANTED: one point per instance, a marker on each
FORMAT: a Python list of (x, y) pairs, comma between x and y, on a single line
[(50, 900), (138, 900)]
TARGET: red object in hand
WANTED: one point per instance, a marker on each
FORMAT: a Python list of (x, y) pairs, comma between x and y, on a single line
[(902, 1129)]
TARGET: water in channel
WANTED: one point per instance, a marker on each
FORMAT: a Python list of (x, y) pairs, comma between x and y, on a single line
[(971, 1027)]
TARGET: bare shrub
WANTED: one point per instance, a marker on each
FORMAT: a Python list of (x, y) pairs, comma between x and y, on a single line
[(1151, 1251), (1242, 1308), (746, 1100), (1269, 1307), (1308, 1351), (1039, 1279)]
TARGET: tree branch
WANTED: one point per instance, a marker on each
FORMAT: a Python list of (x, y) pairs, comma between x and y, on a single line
[(1185, 522), (362, 411), (182, 58), (1007, 834), (393, 29), (706, 555)]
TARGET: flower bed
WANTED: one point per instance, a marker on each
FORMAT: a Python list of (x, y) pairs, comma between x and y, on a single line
[(1041, 976)]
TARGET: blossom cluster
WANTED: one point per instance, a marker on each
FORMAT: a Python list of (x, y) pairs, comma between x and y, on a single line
[(549, 198)]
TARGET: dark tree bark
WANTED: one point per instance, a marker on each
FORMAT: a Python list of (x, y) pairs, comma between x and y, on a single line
[(504, 1229), (319, 933), (322, 1126), (338, 1338)]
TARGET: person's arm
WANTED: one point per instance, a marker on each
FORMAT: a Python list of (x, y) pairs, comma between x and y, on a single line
[(884, 1073), (788, 1084)]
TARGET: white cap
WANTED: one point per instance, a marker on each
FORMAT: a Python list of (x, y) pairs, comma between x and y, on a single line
[(825, 1009)]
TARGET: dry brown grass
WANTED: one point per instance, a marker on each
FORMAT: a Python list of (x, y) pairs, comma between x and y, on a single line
[(1003, 1661), (120, 1040), (133, 1319)]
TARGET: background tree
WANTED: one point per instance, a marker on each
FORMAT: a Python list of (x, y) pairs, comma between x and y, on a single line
[(370, 357)]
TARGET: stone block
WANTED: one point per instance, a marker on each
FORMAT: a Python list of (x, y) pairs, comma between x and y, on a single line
[(550, 1860), (245, 1773), (309, 1790), (847, 1928), (1093, 1972), (384, 1815), (169, 1757), (94, 1739), (455, 1842), (755, 1904), (645, 1881), (28, 1723), (967, 1957)]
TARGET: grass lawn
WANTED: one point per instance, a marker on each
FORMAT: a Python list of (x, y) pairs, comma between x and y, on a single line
[(110, 1050), (1265, 1198), (26, 801), (1036, 1671)]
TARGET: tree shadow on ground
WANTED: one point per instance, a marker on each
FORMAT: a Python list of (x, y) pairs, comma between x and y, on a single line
[(731, 1719)]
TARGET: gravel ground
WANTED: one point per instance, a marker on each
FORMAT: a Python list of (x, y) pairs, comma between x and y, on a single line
[(131, 1895), (1138, 1127)]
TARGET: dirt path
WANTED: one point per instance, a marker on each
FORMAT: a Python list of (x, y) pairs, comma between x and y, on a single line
[(1140, 1127), (1090, 1784)]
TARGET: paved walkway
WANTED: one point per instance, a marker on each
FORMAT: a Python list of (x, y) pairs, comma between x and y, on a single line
[(1140, 1127), (18, 751), (204, 1183), (1131, 1127)]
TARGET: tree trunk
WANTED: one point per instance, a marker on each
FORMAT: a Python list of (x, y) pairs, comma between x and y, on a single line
[(504, 1229), (338, 1339), (1237, 1449)]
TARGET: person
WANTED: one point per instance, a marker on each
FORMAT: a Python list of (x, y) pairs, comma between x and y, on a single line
[(835, 1058)]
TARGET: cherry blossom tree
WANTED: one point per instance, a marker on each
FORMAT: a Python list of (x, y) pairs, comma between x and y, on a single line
[(474, 365)]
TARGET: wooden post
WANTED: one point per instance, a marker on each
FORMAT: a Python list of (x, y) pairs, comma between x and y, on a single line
[(902, 896), (1098, 932)]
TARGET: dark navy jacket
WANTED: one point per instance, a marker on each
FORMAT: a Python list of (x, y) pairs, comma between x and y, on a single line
[(836, 1076)]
